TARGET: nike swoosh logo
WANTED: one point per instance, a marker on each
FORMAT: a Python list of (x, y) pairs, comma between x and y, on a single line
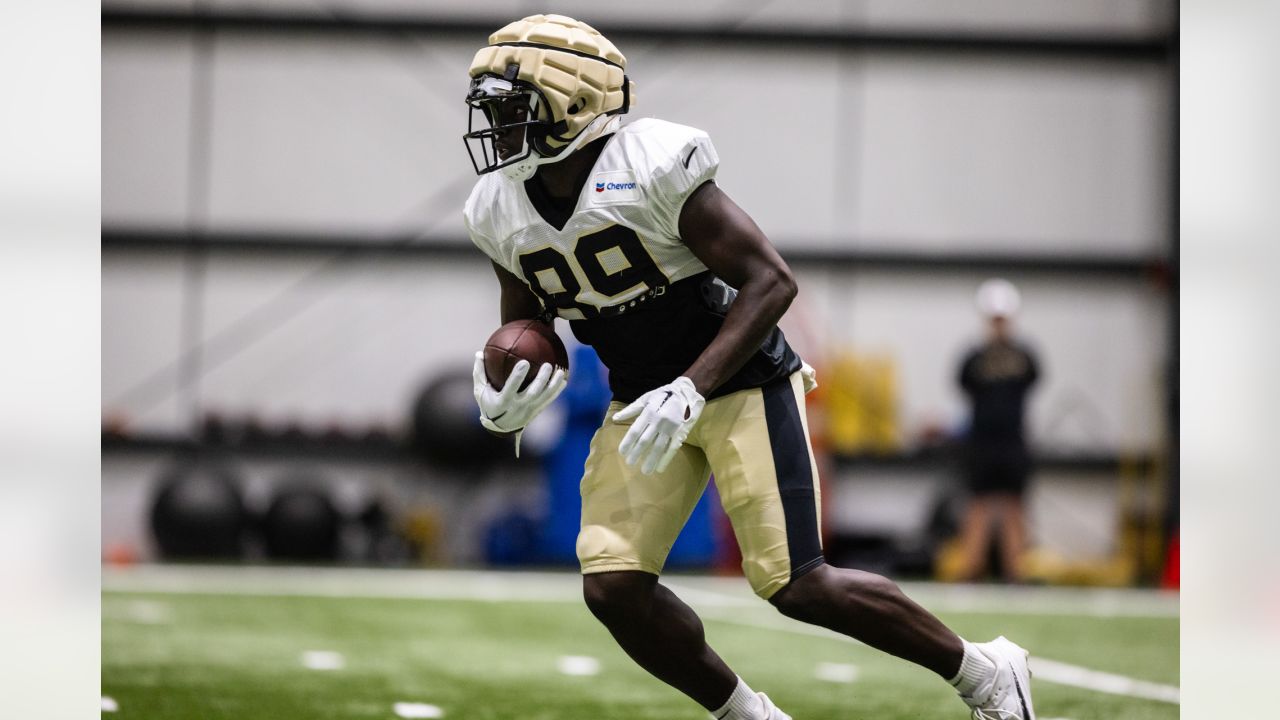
[(1026, 714), (689, 157)]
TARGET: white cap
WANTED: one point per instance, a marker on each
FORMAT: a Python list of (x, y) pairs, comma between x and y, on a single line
[(998, 297)]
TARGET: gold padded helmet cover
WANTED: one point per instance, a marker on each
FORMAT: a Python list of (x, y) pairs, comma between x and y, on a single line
[(580, 74)]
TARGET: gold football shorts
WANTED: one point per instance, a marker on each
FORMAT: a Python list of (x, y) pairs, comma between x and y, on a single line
[(756, 443)]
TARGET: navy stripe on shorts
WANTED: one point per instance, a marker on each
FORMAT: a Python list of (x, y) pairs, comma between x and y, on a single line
[(795, 476)]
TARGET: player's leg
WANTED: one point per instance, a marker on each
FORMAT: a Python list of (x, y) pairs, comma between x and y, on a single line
[(975, 537), (765, 474), (662, 634), (986, 476), (1013, 536), (629, 523), (872, 609)]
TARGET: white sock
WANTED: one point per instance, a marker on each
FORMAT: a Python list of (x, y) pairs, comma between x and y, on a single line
[(743, 704), (975, 671)]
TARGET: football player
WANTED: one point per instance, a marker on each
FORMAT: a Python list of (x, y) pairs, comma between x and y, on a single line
[(622, 231)]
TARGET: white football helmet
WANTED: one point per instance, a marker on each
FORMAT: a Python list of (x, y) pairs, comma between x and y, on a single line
[(547, 83)]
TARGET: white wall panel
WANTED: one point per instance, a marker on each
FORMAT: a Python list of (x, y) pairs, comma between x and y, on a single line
[(352, 346), (323, 135), (141, 336), (774, 122), (1108, 17), (289, 340), (146, 123), (1033, 155)]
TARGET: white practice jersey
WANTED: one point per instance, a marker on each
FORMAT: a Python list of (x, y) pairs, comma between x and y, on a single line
[(617, 268), (622, 243)]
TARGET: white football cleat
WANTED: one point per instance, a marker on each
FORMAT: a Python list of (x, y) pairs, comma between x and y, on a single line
[(1008, 695), (771, 712)]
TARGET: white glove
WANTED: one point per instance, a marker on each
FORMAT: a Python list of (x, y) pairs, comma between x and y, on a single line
[(666, 415), (510, 409), (809, 377)]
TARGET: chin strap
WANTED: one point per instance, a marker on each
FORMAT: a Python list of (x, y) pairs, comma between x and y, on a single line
[(523, 170)]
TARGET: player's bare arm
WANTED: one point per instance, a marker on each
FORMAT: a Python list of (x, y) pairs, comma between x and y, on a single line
[(518, 302), (733, 247), (726, 240)]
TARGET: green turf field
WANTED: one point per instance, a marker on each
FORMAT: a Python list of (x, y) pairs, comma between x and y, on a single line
[(229, 643)]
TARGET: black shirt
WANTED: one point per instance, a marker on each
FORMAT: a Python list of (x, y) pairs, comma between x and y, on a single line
[(997, 377), (654, 344)]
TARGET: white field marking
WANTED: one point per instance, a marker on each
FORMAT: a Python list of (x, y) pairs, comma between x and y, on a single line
[(109, 704), (565, 587), (836, 672), (323, 660), (417, 710), (1076, 676), (578, 665), (142, 612), (1041, 668), (147, 612)]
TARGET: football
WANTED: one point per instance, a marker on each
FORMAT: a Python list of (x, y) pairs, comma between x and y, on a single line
[(522, 340)]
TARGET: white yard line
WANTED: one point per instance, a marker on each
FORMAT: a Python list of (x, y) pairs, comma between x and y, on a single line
[(411, 710), (836, 672), (1076, 676), (578, 665), (322, 660), (1041, 668), (717, 599)]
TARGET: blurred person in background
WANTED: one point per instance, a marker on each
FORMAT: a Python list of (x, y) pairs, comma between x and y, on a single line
[(679, 292), (997, 376)]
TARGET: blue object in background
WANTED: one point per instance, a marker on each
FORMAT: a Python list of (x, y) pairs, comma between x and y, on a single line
[(696, 546), (511, 539), (585, 400)]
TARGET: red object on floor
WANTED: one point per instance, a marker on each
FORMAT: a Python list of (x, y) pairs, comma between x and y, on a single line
[(120, 554), (1172, 565)]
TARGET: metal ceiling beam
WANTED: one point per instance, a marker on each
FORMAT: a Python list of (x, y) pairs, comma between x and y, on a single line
[(800, 254), (276, 21)]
